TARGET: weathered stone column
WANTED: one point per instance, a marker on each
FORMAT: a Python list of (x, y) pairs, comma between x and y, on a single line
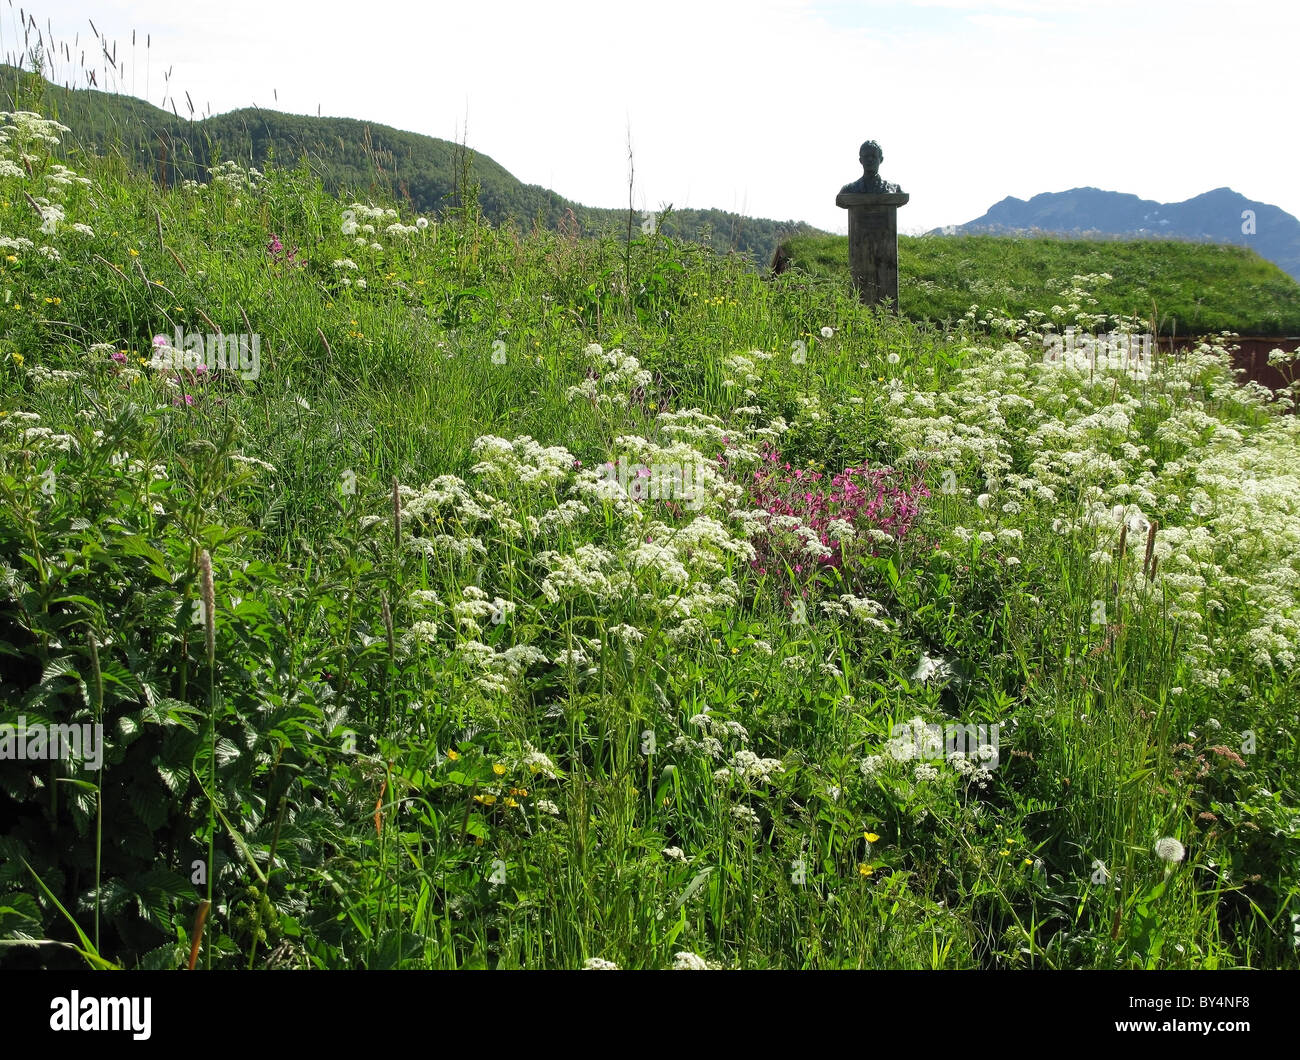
[(873, 229)]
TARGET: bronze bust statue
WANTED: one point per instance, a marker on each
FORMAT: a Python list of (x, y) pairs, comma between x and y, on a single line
[(870, 155), (873, 230)]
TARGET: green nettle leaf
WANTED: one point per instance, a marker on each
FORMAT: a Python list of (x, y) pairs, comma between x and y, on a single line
[(180, 714), (167, 957), (176, 777), (63, 666), (159, 892), (114, 673), (112, 898), (19, 912), (227, 751), (82, 805), (136, 545), (150, 806)]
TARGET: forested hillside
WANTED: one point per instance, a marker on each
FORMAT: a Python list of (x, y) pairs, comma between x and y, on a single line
[(352, 157)]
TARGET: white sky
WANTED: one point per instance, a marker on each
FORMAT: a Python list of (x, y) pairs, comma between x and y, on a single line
[(757, 106)]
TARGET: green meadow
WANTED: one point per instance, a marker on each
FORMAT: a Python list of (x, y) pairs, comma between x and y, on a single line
[(1169, 287), (448, 597)]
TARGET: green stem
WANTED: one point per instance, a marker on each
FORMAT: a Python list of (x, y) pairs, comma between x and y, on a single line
[(99, 784)]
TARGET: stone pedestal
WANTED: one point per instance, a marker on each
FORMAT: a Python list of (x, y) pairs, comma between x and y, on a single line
[(873, 243)]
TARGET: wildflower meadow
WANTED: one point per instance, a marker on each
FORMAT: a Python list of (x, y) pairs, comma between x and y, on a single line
[(427, 594)]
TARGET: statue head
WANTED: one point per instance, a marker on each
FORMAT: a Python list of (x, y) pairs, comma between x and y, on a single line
[(870, 155)]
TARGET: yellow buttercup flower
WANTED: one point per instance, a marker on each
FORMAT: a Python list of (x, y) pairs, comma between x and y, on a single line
[(499, 769), (453, 755), (871, 837), (865, 870), (133, 252)]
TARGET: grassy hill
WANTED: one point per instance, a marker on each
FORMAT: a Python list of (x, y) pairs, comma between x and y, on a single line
[(1188, 288), (354, 158)]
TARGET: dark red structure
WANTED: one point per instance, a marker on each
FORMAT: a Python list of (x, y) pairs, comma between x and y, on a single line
[(1252, 356)]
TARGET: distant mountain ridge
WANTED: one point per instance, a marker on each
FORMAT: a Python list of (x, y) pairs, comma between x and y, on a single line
[(356, 157), (1215, 216)]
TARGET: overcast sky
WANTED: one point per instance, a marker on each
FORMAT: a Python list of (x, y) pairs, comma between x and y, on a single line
[(757, 106)]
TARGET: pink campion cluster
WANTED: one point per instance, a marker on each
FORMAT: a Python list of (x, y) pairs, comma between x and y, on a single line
[(862, 498), (276, 249)]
